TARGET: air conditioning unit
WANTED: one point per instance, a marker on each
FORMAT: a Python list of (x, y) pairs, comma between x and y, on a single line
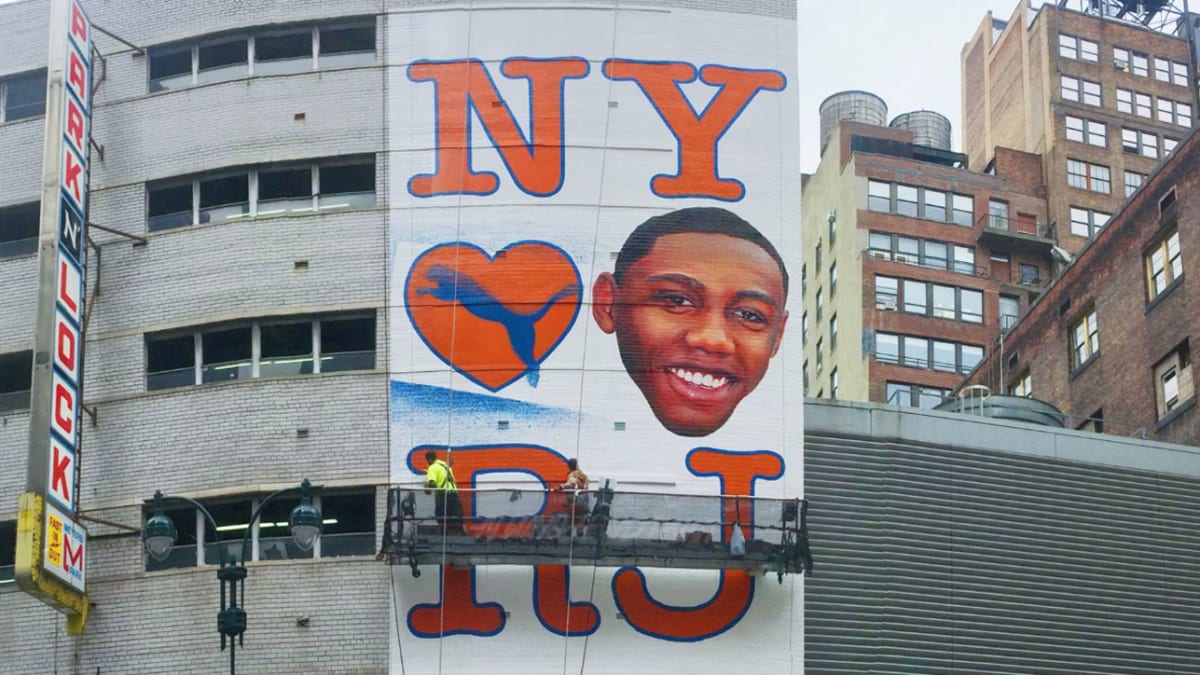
[(1121, 64), (907, 259), (886, 304), (882, 255)]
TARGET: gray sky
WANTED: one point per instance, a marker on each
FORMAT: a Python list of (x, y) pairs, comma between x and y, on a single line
[(906, 52)]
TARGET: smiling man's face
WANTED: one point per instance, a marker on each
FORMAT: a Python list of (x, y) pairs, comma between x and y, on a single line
[(697, 320)]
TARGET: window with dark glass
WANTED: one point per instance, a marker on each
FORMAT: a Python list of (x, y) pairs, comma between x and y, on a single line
[(227, 354), (347, 344), (348, 45), (233, 519), (224, 198), (274, 536), (170, 67), (170, 361), (284, 191), (169, 206), (1030, 274), (349, 524), (183, 553), (23, 96), (269, 348), (287, 52), (16, 375), (19, 227), (344, 185), (8, 551), (287, 349), (222, 60)]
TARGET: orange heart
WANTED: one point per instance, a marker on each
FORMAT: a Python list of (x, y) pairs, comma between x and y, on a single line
[(493, 318)]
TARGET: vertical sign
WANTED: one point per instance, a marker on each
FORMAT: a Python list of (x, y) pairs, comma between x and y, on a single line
[(51, 545), (594, 212)]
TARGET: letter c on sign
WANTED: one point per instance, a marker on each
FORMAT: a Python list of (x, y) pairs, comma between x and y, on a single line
[(64, 409)]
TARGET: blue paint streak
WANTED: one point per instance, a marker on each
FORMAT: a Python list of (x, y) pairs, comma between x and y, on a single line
[(409, 398)]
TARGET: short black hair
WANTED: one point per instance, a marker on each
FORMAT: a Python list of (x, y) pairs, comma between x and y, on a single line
[(572, 464), (699, 220), (430, 455)]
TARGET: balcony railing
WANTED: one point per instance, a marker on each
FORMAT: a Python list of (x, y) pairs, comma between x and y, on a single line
[(1000, 233), (600, 527)]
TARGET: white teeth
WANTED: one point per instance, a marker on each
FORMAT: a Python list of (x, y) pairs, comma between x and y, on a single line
[(707, 380)]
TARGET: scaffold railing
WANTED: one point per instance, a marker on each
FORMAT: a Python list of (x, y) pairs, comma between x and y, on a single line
[(597, 527)]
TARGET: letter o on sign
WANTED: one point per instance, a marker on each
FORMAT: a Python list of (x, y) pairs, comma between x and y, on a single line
[(66, 342)]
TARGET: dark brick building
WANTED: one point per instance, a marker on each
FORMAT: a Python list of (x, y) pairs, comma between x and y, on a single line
[(1109, 343)]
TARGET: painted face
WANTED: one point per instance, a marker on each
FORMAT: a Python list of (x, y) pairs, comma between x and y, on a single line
[(697, 322)]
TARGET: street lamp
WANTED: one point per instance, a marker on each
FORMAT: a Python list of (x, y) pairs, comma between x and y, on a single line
[(158, 536)]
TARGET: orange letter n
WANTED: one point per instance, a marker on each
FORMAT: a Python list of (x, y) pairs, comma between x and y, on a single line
[(462, 86)]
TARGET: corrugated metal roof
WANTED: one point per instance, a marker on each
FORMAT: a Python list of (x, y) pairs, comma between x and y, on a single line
[(938, 555)]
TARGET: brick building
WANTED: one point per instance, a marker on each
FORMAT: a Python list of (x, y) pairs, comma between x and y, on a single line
[(1109, 343), (912, 262), (1101, 100)]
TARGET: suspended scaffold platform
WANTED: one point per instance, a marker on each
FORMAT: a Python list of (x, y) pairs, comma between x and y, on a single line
[(599, 527)]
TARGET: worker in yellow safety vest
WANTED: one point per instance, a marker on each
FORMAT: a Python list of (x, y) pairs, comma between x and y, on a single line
[(439, 480)]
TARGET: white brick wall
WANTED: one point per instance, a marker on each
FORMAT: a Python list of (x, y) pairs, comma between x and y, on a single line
[(14, 447), (18, 302), (165, 622), (26, 20), (232, 123), (236, 435), (21, 145)]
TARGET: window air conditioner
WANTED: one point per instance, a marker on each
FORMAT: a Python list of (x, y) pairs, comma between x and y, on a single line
[(1121, 64), (887, 304), (906, 258), (882, 255)]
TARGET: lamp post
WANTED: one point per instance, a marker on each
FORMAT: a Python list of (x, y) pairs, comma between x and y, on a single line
[(159, 534)]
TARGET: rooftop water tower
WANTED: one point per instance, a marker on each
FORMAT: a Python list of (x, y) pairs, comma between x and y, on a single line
[(850, 106), (929, 128)]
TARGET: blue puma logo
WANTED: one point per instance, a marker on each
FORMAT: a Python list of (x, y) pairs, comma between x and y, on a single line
[(451, 286)]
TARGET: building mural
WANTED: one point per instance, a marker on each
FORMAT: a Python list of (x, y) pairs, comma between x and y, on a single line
[(594, 231)]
